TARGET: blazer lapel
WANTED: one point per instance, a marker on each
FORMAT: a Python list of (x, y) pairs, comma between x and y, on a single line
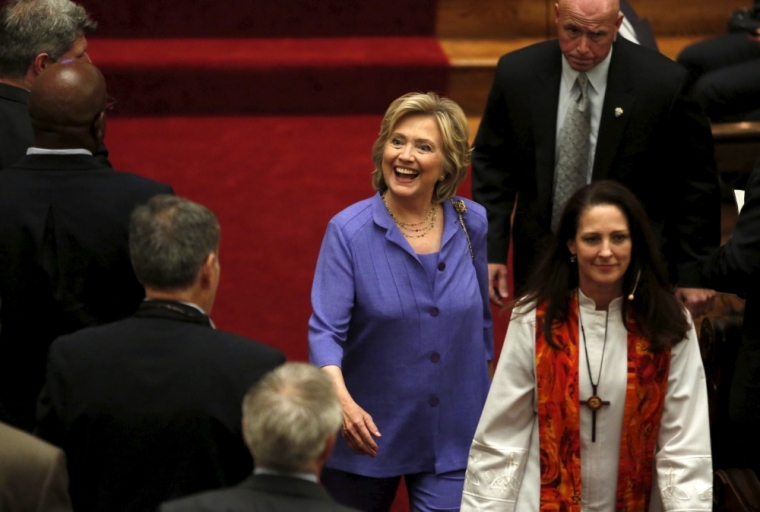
[(382, 218), (544, 108), (617, 109)]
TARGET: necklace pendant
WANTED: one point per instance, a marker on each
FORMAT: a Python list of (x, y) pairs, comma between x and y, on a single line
[(594, 403)]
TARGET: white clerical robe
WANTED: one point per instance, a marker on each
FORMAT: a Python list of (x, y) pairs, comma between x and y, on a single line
[(503, 472)]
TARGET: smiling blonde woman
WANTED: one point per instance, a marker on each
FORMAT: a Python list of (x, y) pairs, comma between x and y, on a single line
[(401, 317)]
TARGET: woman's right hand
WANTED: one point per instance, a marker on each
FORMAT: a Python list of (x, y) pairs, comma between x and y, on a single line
[(358, 428)]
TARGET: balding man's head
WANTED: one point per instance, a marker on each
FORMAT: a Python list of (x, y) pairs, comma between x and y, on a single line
[(67, 106), (586, 30), (68, 94)]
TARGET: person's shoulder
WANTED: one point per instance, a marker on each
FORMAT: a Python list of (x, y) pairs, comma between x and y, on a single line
[(360, 210), (95, 333), (475, 214), (659, 67), (208, 501), (19, 448), (472, 206), (355, 217), (237, 344), (524, 313), (152, 185)]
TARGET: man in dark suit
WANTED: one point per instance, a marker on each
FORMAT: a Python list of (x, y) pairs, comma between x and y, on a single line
[(33, 35), (64, 217), (148, 408), (641, 132), (290, 423), (33, 476), (735, 268)]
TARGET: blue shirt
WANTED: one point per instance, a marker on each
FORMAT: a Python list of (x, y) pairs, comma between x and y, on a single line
[(413, 350)]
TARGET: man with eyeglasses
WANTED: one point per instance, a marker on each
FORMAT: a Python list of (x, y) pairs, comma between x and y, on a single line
[(64, 219), (33, 35)]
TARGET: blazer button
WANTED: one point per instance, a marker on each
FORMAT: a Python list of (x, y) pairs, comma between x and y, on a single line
[(435, 357), (434, 311), (441, 266), (434, 402)]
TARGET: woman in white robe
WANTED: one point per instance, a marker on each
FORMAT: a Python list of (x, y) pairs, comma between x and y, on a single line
[(605, 261)]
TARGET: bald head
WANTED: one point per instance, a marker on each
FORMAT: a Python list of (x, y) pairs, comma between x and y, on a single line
[(586, 30), (592, 7), (68, 94)]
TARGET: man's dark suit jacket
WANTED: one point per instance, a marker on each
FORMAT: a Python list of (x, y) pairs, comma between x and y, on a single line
[(735, 268), (660, 146), (261, 493), (64, 262), (16, 133), (149, 408)]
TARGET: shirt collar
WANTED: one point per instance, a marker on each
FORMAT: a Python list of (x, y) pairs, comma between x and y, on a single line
[(588, 303), (597, 76), (194, 306), (44, 151), (303, 475)]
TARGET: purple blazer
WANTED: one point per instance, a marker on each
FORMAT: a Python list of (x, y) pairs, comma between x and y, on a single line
[(413, 350)]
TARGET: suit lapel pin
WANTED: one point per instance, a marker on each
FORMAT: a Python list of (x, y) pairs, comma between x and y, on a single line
[(618, 112)]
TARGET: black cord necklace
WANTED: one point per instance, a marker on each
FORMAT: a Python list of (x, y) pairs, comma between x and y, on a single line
[(594, 402)]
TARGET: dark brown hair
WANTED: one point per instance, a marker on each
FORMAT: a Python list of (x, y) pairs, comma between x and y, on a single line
[(656, 313)]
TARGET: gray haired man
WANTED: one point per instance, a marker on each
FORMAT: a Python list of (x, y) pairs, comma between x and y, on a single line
[(290, 422), (33, 35), (148, 408)]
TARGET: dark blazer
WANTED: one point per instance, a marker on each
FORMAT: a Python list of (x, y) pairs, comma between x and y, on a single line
[(149, 408), (735, 268), (261, 493), (33, 476), (16, 134), (64, 262), (660, 146)]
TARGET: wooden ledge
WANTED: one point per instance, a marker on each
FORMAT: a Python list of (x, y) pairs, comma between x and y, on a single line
[(485, 53), (736, 131)]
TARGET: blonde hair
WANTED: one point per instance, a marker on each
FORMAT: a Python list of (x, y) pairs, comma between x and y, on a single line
[(455, 134)]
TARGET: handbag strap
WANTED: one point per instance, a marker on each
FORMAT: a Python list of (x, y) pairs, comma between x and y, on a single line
[(461, 209)]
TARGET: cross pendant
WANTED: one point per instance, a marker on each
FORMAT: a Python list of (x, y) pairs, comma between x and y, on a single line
[(594, 403)]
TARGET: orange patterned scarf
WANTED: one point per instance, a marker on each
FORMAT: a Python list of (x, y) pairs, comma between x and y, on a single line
[(559, 417)]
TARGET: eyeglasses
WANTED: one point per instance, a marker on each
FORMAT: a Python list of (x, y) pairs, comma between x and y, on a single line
[(110, 103)]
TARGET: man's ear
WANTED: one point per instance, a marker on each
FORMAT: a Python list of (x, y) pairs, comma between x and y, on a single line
[(327, 450), (98, 128), (619, 21), (208, 270), (41, 61)]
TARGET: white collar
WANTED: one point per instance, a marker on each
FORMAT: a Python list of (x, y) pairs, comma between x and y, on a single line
[(597, 76), (44, 151), (303, 475), (587, 303)]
